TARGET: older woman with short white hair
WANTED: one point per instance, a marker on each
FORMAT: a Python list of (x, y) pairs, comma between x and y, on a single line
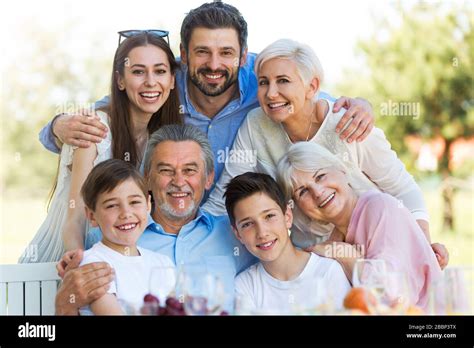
[(289, 78), (328, 190)]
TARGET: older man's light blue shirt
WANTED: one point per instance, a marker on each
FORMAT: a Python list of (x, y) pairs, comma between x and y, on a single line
[(206, 241)]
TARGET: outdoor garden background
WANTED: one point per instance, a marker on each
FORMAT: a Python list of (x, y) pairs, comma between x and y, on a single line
[(414, 61)]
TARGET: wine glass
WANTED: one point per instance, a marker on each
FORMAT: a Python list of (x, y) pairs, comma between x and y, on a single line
[(162, 282), (243, 305), (318, 300), (202, 293), (453, 293), (437, 297), (459, 290), (368, 272), (371, 274), (129, 308), (397, 294)]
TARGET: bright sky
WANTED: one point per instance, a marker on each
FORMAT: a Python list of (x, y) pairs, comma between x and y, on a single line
[(330, 27)]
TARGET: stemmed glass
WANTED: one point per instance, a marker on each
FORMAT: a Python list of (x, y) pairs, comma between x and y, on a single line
[(371, 275), (162, 282), (454, 292), (129, 308), (316, 301), (397, 294), (459, 290), (201, 293), (243, 305)]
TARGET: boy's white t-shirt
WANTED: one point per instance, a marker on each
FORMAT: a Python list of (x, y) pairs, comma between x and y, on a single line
[(132, 273), (321, 281)]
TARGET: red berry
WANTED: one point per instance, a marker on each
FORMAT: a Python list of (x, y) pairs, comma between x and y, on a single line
[(174, 303), (149, 298), (173, 312)]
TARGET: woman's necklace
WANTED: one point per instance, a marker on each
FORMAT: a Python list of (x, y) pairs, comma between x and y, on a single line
[(308, 132), (311, 123)]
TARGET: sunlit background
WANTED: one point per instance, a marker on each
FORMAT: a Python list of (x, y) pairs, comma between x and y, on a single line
[(413, 60)]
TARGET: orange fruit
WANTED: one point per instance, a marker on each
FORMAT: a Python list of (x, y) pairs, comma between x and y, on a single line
[(414, 310), (357, 298)]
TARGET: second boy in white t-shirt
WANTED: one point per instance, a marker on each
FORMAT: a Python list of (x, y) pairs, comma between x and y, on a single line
[(287, 280)]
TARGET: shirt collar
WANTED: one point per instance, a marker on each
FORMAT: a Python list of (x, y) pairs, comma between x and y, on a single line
[(205, 217)]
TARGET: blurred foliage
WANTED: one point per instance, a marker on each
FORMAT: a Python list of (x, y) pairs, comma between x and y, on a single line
[(465, 170), (45, 79), (423, 59)]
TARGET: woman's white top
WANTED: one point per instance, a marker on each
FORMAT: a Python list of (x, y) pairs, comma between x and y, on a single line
[(47, 244), (261, 142)]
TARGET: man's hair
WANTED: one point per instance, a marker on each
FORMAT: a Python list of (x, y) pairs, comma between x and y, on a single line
[(106, 176), (247, 184), (214, 15), (178, 133)]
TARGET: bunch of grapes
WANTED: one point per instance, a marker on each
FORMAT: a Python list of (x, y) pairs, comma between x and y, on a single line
[(151, 306), (172, 307)]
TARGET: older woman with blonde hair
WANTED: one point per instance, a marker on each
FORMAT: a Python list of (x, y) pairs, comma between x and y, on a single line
[(291, 110), (328, 190)]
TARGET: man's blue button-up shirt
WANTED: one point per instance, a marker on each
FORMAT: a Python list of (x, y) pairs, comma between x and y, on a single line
[(222, 129)]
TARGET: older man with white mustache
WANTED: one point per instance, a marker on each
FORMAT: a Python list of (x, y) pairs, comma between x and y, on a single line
[(179, 167)]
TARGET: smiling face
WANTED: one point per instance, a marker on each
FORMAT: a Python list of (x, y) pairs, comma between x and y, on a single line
[(281, 91), (262, 227), (323, 195), (213, 59), (178, 178), (147, 79), (121, 214)]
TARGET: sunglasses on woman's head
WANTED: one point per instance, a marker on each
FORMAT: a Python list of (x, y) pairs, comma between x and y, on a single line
[(156, 32)]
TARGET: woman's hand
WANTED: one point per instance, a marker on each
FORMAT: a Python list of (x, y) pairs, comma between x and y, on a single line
[(344, 253), (321, 249), (442, 254), (360, 112), (70, 258)]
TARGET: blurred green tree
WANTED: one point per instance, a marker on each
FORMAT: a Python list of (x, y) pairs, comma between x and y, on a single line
[(419, 71), (45, 78)]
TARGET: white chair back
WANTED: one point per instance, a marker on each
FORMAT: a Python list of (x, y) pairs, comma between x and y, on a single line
[(28, 289)]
